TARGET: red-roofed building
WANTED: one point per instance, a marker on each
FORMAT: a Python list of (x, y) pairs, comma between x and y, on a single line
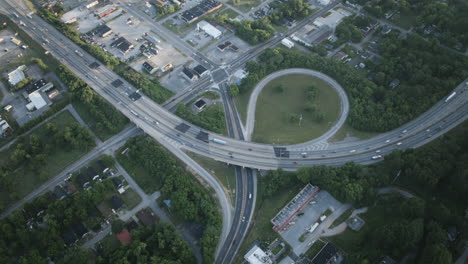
[(124, 237)]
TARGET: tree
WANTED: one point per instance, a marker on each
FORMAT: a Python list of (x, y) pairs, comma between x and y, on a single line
[(233, 90), (279, 88), (118, 226)]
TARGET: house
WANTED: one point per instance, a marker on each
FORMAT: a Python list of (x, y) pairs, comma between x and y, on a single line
[(452, 233), (394, 83), (116, 202), (340, 56), (92, 174), (189, 74), (59, 192), (160, 3), (79, 229), (124, 237), (387, 260), (82, 180), (131, 225), (200, 70), (69, 238), (117, 182), (70, 187), (5, 128), (105, 211), (146, 217), (326, 255), (101, 167), (149, 68)]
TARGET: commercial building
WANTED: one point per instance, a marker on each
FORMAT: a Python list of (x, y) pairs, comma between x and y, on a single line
[(34, 94), (203, 8), (92, 4), (122, 44), (287, 43), (208, 29), (293, 207), (189, 74), (17, 75), (257, 256), (103, 31), (105, 11), (200, 70)]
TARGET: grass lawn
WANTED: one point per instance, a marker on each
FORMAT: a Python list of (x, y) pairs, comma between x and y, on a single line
[(261, 228), (230, 13), (242, 101), (245, 5), (131, 198), (224, 173), (54, 164), (140, 175), (343, 217), (347, 131), (272, 116), (314, 249), (179, 30)]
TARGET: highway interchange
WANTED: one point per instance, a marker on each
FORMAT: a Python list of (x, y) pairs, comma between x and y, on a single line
[(161, 124)]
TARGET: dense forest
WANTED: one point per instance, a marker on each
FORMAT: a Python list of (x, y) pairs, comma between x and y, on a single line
[(190, 201), (436, 173), (427, 73)]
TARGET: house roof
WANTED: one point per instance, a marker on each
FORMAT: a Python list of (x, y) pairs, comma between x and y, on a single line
[(59, 192), (199, 69), (91, 172), (124, 237), (101, 166), (116, 202), (117, 182), (82, 179), (146, 216), (188, 73), (69, 238), (79, 229)]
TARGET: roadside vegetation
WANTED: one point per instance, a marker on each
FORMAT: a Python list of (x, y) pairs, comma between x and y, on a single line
[(211, 118), (435, 173), (150, 87), (295, 108), (426, 71), (35, 158), (190, 201)]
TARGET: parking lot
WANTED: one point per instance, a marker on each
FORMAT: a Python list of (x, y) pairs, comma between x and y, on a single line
[(311, 214), (8, 50)]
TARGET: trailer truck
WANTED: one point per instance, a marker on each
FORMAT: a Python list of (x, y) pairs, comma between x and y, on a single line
[(219, 141)]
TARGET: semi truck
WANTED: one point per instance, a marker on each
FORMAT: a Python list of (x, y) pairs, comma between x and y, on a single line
[(312, 227), (450, 96), (219, 141)]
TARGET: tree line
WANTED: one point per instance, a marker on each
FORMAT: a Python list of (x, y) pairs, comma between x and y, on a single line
[(437, 173), (109, 120), (427, 73), (150, 87), (190, 202)]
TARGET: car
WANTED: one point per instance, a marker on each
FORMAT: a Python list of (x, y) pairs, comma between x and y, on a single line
[(378, 151), (352, 151), (294, 162), (376, 157), (428, 130), (243, 219), (250, 149), (399, 143), (388, 140), (250, 196), (404, 131)]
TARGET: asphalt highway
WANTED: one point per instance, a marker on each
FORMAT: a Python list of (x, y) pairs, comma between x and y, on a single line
[(161, 124)]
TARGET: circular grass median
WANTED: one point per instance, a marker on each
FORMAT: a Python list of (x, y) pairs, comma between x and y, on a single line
[(295, 108)]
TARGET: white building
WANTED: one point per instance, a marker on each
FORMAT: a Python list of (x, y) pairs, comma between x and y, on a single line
[(37, 101), (324, 2), (287, 42), (17, 75), (257, 256), (208, 29)]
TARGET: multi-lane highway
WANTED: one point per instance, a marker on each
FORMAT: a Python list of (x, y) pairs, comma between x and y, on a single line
[(164, 126)]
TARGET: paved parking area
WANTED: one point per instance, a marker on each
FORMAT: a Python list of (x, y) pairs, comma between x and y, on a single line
[(12, 51), (312, 212), (174, 80)]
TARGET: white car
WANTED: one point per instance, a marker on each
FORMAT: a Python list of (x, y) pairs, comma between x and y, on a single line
[(376, 157), (352, 151), (399, 143), (388, 140), (404, 131), (378, 151)]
